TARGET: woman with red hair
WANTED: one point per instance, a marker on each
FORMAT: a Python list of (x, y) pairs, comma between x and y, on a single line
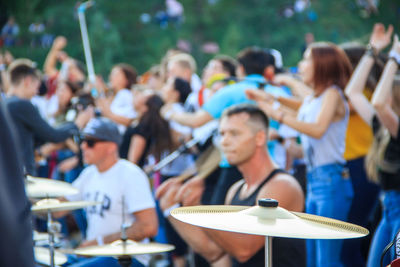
[(321, 118)]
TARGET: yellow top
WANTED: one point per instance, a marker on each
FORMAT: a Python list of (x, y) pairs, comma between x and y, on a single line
[(359, 135)]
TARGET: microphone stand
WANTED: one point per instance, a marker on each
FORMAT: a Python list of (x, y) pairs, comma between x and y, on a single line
[(171, 157), (86, 45)]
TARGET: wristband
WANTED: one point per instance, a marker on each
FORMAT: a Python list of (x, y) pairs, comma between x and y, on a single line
[(371, 51), (395, 56), (167, 212), (2, 67), (100, 240)]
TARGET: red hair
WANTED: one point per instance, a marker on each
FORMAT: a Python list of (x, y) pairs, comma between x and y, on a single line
[(331, 65)]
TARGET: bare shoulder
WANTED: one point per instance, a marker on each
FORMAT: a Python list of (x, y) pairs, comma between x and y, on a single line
[(232, 191), (284, 188)]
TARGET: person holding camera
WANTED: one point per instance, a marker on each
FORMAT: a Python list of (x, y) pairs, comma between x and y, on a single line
[(24, 84)]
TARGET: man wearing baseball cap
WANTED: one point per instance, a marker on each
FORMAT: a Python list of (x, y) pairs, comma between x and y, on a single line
[(115, 183)]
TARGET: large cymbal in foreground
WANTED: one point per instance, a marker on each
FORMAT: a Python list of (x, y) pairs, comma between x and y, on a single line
[(53, 205), (43, 187), (268, 221), (119, 248), (42, 256)]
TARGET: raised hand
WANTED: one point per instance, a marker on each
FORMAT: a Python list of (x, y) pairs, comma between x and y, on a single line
[(59, 43), (380, 38), (396, 44)]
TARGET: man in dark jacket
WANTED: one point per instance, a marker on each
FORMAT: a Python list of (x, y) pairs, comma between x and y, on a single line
[(24, 84)]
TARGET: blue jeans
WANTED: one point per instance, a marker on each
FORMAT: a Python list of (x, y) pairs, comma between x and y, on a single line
[(100, 262), (329, 194), (365, 201), (386, 230)]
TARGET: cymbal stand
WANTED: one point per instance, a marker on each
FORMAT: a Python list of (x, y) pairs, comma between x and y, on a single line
[(53, 228), (268, 251), (268, 203), (124, 261)]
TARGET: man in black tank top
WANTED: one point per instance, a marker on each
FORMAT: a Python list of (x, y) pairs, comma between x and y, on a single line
[(244, 132)]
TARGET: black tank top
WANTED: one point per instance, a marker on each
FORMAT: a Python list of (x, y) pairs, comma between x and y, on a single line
[(286, 252)]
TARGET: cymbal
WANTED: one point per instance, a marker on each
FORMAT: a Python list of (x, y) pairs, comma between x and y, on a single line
[(43, 187), (42, 256), (55, 205), (267, 221), (118, 248), (40, 236)]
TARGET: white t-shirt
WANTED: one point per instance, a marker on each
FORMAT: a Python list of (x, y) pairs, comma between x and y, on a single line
[(195, 82), (123, 180), (122, 105)]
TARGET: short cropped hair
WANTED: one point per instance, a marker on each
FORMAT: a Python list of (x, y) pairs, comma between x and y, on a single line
[(254, 60), (184, 60), (20, 69), (258, 120)]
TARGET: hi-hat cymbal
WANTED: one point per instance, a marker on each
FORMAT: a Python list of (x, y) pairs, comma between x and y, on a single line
[(119, 248), (267, 221), (43, 187), (42, 256), (40, 236), (56, 205)]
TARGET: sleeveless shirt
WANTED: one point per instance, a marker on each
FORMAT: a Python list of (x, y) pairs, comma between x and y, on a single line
[(286, 252), (330, 147)]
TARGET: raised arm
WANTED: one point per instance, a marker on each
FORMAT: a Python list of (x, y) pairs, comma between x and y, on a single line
[(382, 94), (51, 60), (192, 120), (30, 116), (297, 87), (354, 89), (328, 113)]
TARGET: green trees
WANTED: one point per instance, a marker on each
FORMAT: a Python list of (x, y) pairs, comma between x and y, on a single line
[(118, 35)]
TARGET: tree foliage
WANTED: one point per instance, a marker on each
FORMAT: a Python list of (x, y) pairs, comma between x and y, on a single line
[(117, 33)]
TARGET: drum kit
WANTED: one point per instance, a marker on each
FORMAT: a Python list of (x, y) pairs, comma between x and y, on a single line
[(50, 190), (266, 219)]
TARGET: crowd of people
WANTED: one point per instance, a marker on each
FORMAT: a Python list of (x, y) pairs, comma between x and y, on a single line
[(324, 141)]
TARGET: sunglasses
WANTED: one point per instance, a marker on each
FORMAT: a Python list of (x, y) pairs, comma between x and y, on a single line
[(91, 142)]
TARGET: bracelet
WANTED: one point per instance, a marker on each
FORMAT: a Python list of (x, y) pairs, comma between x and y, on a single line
[(167, 212), (2, 67), (371, 51), (395, 56), (100, 240)]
